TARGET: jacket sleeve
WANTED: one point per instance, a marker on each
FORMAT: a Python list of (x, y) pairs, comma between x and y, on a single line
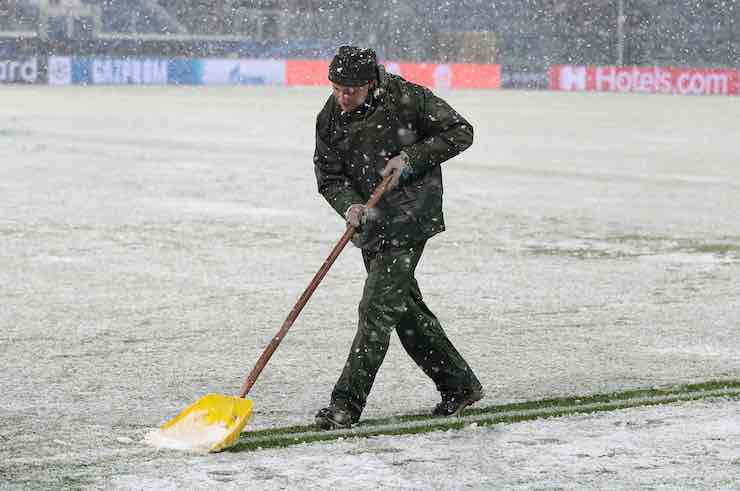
[(332, 183), (444, 133)]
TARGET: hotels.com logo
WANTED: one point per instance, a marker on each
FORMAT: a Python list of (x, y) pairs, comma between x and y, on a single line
[(572, 77), (686, 81), (663, 80)]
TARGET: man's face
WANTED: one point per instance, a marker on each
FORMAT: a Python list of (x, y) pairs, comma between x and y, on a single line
[(350, 98)]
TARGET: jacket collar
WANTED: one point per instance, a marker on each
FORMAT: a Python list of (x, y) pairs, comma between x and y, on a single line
[(380, 90)]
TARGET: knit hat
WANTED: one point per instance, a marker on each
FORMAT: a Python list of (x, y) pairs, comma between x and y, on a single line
[(353, 66)]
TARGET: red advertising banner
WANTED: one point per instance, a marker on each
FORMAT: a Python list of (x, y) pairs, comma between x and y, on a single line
[(684, 81), (432, 75), (472, 76), (306, 72), (427, 74)]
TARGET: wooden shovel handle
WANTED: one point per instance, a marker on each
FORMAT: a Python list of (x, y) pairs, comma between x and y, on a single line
[(293, 315)]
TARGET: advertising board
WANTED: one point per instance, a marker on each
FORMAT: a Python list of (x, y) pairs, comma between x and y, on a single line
[(128, 71), (432, 75), (66, 70), (19, 70), (684, 81), (517, 77), (59, 70), (242, 72)]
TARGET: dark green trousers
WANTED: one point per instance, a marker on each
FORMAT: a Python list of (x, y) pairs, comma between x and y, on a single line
[(391, 300)]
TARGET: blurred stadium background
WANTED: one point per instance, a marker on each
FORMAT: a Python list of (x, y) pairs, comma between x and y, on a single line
[(697, 33)]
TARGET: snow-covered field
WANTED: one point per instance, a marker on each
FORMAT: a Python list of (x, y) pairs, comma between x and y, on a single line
[(154, 239)]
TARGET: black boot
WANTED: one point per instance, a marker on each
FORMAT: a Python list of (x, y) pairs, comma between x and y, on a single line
[(333, 418), (454, 404)]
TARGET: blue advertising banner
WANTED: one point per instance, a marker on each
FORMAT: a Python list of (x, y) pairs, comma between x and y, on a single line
[(185, 72), (81, 71), (76, 70), (123, 71)]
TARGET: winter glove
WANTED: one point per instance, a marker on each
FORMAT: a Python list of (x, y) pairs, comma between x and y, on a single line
[(360, 217), (356, 215), (401, 169)]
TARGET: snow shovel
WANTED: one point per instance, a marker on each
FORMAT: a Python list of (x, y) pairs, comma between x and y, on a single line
[(214, 422)]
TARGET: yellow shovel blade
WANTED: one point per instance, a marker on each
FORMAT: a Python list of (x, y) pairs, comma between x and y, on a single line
[(212, 423)]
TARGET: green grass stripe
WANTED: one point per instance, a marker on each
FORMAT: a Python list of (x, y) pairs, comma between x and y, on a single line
[(506, 413)]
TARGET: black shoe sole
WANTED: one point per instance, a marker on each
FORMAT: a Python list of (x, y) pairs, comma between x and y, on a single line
[(467, 403), (472, 399), (330, 424)]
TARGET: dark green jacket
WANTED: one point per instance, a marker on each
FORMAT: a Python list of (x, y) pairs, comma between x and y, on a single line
[(352, 149)]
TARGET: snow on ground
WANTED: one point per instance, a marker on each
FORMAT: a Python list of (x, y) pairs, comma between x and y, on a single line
[(679, 446), (154, 239)]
